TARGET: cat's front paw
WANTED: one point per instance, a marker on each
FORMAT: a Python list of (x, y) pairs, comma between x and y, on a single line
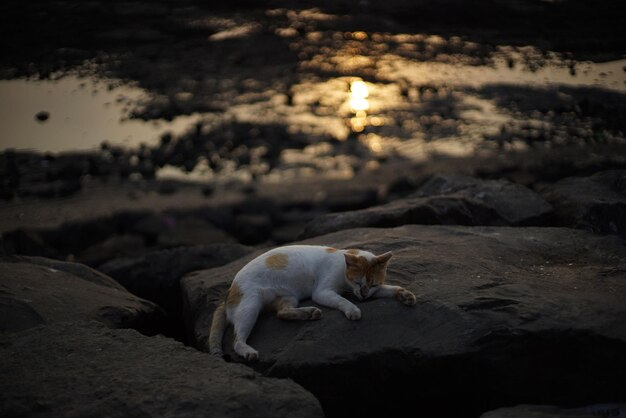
[(353, 313), (316, 313), (310, 312), (406, 296), (247, 352)]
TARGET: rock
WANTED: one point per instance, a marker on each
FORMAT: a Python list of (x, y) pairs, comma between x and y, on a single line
[(17, 315), (75, 269), (208, 190), (56, 188), (75, 236), (156, 275), (89, 370), (150, 226), (116, 246), (42, 116), (456, 200), (67, 166), (545, 411), (287, 233), (171, 230), (167, 188), (290, 223), (504, 316), (36, 290), (27, 242), (252, 229), (191, 231), (339, 200), (403, 185), (597, 202)]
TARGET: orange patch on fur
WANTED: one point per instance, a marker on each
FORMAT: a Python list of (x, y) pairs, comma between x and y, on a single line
[(234, 295), (352, 251), (277, 261), (331, 250), (356, 267)]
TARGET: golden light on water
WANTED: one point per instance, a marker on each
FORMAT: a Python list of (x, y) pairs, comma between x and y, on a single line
[(359, 36), (359, 104), (375, 143), (359, 93), (358, 123), (358, 88)]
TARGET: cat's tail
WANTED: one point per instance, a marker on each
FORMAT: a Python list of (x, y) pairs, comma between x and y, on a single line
[(218, 326)]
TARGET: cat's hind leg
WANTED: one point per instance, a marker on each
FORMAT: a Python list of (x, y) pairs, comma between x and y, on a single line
[(244, 316), (286, 308)]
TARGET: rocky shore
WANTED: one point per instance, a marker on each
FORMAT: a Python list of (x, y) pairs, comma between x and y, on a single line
[(483, 144), (520, 301)]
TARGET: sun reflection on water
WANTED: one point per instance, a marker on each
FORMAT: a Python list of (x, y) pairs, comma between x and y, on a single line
[(359, 104)]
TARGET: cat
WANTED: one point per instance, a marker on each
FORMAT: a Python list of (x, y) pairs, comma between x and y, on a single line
[(282, 277)]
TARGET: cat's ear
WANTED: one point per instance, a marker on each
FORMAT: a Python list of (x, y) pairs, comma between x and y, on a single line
[(383, 258), (351, 260)]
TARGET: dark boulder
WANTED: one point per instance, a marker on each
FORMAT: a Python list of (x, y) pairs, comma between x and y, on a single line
[(597, 202), (116, 246), (26, 241), (252, 229), (455, 200), (191, 231), (504, 316), (174, 229), (36, 290), (88, 370), (42, 116)]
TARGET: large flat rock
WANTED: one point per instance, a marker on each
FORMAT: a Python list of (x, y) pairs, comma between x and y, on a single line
[(36, 290), (446, 200), (87, 369), (504, 316)]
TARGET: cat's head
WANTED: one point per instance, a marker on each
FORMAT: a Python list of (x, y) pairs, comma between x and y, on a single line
[(366, 276)]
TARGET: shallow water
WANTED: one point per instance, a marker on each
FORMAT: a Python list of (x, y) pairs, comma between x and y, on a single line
[(294, 93), (82, 114)]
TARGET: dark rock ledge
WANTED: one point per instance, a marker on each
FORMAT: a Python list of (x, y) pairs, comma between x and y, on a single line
[(504, 316), (596, 203), (36, 290), (62, 354), (448, 200), (86, 369)]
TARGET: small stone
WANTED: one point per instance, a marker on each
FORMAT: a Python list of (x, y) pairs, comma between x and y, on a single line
[(42, 116)]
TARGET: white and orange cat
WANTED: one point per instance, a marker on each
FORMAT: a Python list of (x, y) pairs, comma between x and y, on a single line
[(282, 277)]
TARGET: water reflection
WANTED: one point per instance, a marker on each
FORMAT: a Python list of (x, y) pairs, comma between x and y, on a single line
[(83, 113), (333, 97), (359, 93), (359, 105)]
